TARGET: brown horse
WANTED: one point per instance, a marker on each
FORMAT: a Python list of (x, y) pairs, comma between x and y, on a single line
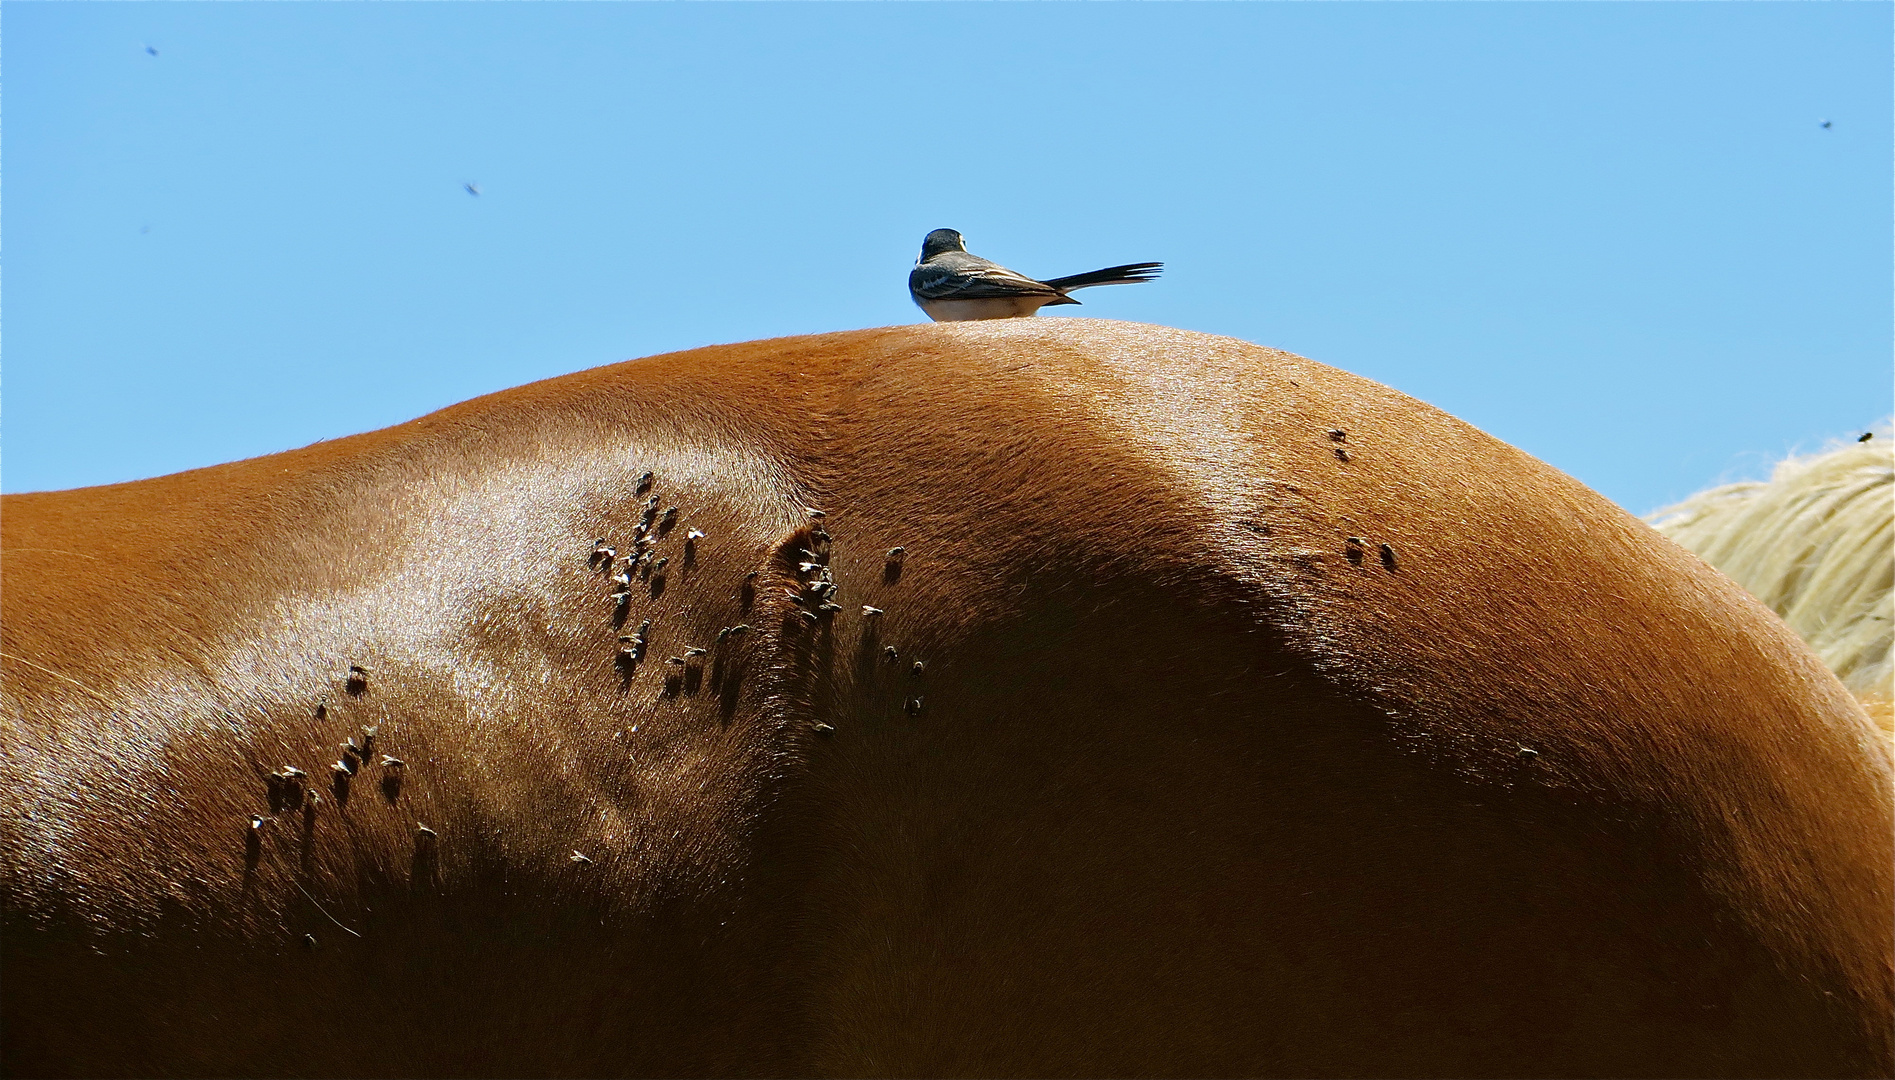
[(997, 698)]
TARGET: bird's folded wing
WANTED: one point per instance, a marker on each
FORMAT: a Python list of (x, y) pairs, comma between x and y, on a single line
[(936, 282)]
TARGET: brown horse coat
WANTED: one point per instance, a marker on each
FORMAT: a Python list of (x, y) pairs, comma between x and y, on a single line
[(1229, 715)]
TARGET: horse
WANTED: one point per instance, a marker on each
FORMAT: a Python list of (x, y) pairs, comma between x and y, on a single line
[(1055, 697)]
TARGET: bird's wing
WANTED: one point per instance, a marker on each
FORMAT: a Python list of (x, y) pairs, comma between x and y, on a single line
[(959, 276)]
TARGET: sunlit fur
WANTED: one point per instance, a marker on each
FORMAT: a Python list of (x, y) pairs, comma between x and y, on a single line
[(1268, 722), (1816, 542)]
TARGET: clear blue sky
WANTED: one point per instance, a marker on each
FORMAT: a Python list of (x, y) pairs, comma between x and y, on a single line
[(1615, 235)]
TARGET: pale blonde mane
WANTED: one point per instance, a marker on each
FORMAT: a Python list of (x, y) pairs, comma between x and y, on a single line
[(1816, 542)]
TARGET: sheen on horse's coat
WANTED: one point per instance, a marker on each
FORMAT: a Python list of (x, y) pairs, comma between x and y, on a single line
[(1243, 717), (1816, 543)]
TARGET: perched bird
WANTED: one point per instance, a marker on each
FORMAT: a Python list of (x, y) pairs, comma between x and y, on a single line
[(953, 286)]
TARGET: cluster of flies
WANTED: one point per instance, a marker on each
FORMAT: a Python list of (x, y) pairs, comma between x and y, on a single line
[(290, 791), (815, 596), (642, 565)]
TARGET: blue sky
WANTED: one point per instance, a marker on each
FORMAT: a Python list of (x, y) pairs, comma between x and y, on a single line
[(1615, 235)]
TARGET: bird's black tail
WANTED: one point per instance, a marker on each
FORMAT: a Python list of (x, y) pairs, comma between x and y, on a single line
[(1129, 274)]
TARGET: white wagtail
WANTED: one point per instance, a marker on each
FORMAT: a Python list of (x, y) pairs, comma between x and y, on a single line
[(953, 286)]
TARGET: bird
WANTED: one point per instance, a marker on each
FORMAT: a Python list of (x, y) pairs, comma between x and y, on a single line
[(150, 51), (1826, 124), (954, 286), (472, 188)]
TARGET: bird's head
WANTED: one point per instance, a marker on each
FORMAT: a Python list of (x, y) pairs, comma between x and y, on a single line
[(940, 241)]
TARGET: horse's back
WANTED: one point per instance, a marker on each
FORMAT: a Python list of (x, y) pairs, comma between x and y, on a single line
[(1219, 713)]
